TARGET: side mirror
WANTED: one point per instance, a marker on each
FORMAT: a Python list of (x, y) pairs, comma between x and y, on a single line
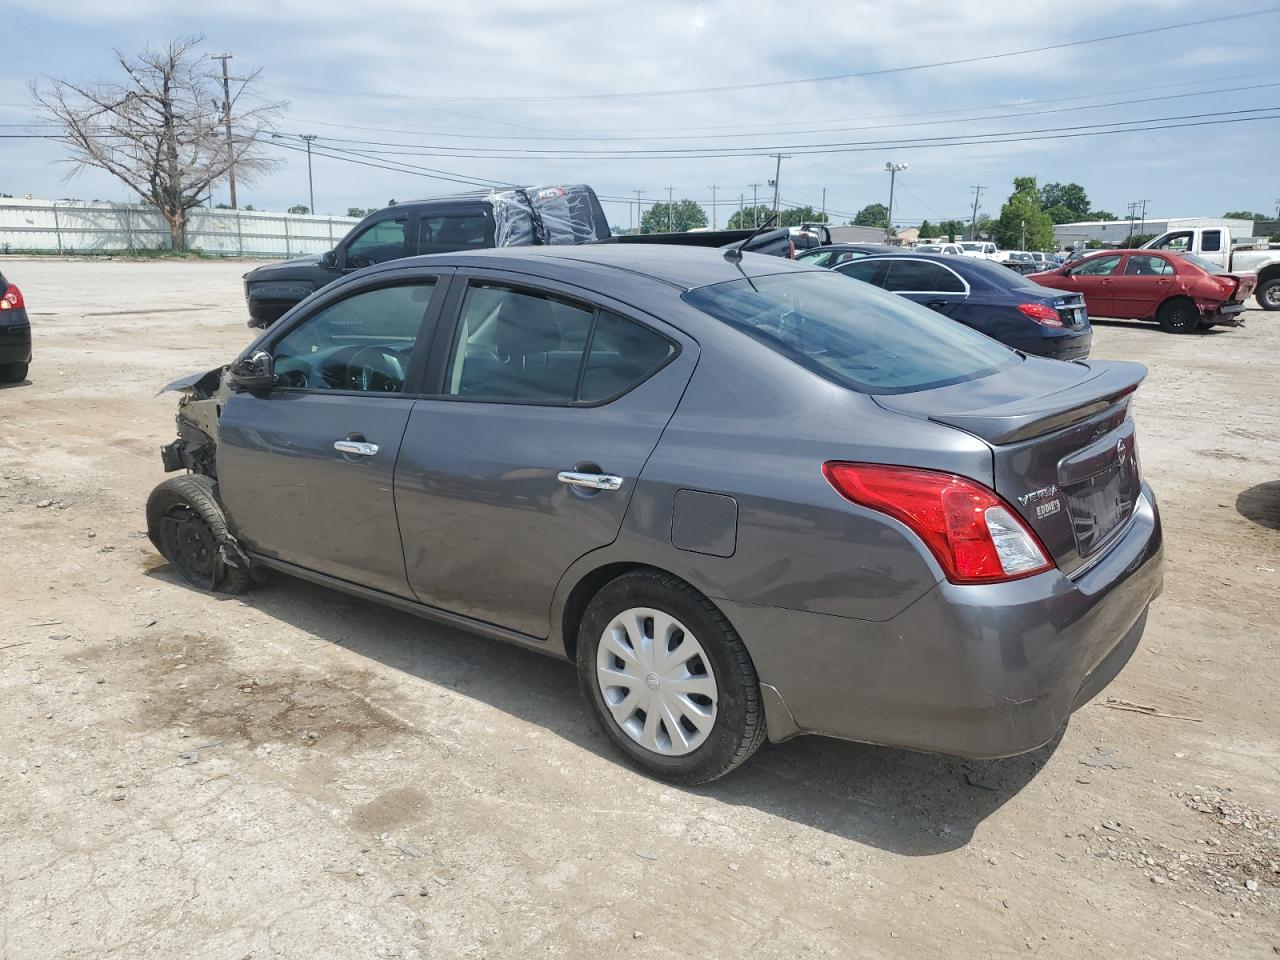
[(253, 373), (329, 260)]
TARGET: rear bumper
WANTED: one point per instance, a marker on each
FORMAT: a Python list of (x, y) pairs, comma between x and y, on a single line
[(976, 671), (15, 343), (1070, 345)]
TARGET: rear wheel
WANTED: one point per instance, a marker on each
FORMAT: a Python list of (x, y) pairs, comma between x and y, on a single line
[(13, 372), (1178, 316), (187, 525), (1268, 295), (668, 679)]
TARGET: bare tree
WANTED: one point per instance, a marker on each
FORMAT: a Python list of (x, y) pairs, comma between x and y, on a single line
[(159, 130)]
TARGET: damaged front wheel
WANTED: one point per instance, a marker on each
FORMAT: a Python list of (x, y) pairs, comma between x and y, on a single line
[(186, 524)]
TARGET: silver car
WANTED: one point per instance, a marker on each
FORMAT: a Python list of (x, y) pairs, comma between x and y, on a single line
[(747, 497)]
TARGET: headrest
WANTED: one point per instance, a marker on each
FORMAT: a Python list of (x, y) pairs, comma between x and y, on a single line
[(526, 325)]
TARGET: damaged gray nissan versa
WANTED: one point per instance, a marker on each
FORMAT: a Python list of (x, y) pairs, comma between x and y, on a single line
[(746, 496)]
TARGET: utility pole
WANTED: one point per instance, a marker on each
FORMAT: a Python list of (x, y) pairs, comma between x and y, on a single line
[(893, 169), (639, 211), (1022, 225), (824, 204), (1133, 209), (1144, 216), (973, 220), (311, 190), (714, 222), (226, 118), (742, 212), (671, 212), (777, 175), (755, 205)]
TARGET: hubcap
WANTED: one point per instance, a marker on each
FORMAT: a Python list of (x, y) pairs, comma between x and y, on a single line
[(656, 681), (1273, 295)]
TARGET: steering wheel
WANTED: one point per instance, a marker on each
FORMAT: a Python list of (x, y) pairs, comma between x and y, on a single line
[(375, 370)]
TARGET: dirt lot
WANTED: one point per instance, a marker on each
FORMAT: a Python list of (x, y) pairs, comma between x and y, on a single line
[(301, 774)]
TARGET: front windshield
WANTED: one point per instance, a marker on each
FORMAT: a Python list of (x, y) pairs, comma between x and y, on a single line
[(928, 248), (1208, 266), (852, 333), (970, 246)]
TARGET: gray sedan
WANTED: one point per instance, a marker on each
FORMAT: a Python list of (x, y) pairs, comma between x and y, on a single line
[(745, 496)]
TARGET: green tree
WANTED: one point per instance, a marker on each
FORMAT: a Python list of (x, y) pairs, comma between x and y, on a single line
[(678, 217), (1138, 239), (299, 208), (985, 226), (1023, 224), (873, 215), (1070, 197), (927, 229), (359, 211), (1101, 215), (951, 229), (748, 218), (1245, 215)]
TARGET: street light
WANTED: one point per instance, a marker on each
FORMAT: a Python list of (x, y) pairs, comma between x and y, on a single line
[(893, 170)]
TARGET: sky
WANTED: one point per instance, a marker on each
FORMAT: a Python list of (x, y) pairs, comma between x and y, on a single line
[(517, 92)]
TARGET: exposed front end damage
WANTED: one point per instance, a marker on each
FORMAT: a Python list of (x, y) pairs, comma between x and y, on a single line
[(196, 447), (185, 520)]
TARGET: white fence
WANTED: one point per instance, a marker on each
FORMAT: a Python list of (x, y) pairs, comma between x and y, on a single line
[(73, 226)]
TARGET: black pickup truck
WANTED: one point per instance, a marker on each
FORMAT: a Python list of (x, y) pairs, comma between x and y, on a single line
[(520, 217)]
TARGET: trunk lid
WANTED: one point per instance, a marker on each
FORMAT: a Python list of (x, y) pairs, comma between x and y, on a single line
[(1063, 446)]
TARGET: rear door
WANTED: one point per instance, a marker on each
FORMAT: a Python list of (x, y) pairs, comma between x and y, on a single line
[(547, 403), (305, 470), (926, 282), (1141, 284)]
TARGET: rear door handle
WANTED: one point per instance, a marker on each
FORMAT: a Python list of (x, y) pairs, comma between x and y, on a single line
[(589, 481), (356, 448), (935, 304)]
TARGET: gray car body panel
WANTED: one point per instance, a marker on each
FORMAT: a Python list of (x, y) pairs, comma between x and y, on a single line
[(852, 626)]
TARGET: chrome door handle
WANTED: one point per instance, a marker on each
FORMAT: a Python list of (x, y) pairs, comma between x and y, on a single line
[(356, 448), (591, 481)]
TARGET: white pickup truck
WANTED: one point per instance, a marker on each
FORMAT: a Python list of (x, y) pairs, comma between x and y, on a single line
[(1235, 255)]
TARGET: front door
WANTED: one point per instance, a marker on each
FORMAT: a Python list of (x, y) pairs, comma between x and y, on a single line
[(306, 469), (1094, 278), (928, 283), (1141, 285), (548, 407)]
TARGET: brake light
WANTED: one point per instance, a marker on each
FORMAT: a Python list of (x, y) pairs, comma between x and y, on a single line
[(11, 299), (975, 536), (1041, 314)]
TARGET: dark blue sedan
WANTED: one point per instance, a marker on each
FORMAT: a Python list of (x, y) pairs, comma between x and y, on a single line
[(986, 296)]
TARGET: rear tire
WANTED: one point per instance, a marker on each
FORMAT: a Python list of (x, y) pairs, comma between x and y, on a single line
[(730, 722), (186, 524), (1178, 316), (13, 372), (1268, 294)]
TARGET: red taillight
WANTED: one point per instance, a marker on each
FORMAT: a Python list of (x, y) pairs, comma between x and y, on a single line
[(974, 535), (11, 299), (1041, 314)]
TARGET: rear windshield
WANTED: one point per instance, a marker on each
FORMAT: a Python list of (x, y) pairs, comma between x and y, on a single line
[(1208, 266), (852, 333)]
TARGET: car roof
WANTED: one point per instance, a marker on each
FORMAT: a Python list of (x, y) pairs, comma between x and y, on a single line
[(678, 266)]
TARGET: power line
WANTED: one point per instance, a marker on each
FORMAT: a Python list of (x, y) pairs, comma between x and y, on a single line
[(762, 84)]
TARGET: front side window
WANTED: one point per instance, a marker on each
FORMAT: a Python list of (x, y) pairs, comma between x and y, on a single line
[(1144, 265), (816, 257), (362, 343), (862, 338), (1097, 267), (377, 243), (525, 346)]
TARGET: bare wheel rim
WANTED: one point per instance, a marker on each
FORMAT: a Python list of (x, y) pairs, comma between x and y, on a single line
[(656, 681), (1272, 295)]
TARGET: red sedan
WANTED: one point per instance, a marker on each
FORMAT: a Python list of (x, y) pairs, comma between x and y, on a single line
[(1180, 291)]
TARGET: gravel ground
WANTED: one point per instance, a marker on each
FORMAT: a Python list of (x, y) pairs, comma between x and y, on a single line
[(301, 774)]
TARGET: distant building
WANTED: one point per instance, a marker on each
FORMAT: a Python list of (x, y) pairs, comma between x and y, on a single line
[(1116, 233), (907, 236), (854, 234)]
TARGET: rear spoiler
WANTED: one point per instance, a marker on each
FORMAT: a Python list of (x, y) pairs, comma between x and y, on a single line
[(1032, 416)]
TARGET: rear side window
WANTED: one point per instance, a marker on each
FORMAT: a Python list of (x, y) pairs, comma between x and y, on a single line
[(911, 276), (525, 346), (472, 231), (865, 339), (1211, 241), (1144, 265)]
